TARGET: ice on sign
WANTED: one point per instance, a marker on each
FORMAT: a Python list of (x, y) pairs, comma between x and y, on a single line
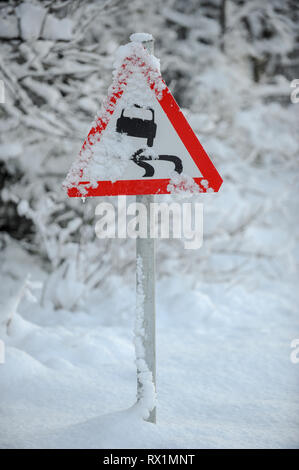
[(140, 139)]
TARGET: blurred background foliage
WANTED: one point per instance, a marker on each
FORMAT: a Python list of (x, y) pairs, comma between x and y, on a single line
[(228, 63)]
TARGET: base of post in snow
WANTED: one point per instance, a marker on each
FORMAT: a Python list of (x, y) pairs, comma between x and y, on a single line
[(145, 326), (149, 415)]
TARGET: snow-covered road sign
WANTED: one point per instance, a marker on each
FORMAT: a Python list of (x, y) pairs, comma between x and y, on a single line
[(140, 143)]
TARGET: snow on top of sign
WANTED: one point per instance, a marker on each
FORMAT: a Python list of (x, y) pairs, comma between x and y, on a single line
[(141, 37), (105, 153), (132, 49)]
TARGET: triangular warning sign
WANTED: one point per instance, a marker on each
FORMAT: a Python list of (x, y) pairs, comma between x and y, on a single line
[(141, 143)]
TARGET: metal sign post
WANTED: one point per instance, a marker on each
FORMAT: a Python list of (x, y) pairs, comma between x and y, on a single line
[(145, 253), (145, 256)]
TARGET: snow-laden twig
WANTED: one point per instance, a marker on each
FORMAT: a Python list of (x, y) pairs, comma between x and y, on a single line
[(24, 291)]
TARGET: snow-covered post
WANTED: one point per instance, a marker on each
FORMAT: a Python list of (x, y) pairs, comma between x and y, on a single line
[(146, 307)]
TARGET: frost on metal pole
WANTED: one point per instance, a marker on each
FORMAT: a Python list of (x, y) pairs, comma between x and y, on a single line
[(145, 326), (145, 342)]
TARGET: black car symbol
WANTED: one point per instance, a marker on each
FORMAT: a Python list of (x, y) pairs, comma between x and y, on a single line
[(137, 127)]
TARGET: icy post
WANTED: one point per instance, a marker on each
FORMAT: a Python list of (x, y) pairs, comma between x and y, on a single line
[(145, 331), (146, 391)]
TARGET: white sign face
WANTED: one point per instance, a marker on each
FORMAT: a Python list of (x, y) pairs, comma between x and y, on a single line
[(139, 141)]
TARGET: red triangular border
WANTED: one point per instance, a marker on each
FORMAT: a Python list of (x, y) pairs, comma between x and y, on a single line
[(79, 188)]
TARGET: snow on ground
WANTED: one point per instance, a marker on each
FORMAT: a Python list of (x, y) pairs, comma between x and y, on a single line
[(224, 373)]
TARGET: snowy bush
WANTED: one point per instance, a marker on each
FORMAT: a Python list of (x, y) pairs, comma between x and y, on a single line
[(56, 62)]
